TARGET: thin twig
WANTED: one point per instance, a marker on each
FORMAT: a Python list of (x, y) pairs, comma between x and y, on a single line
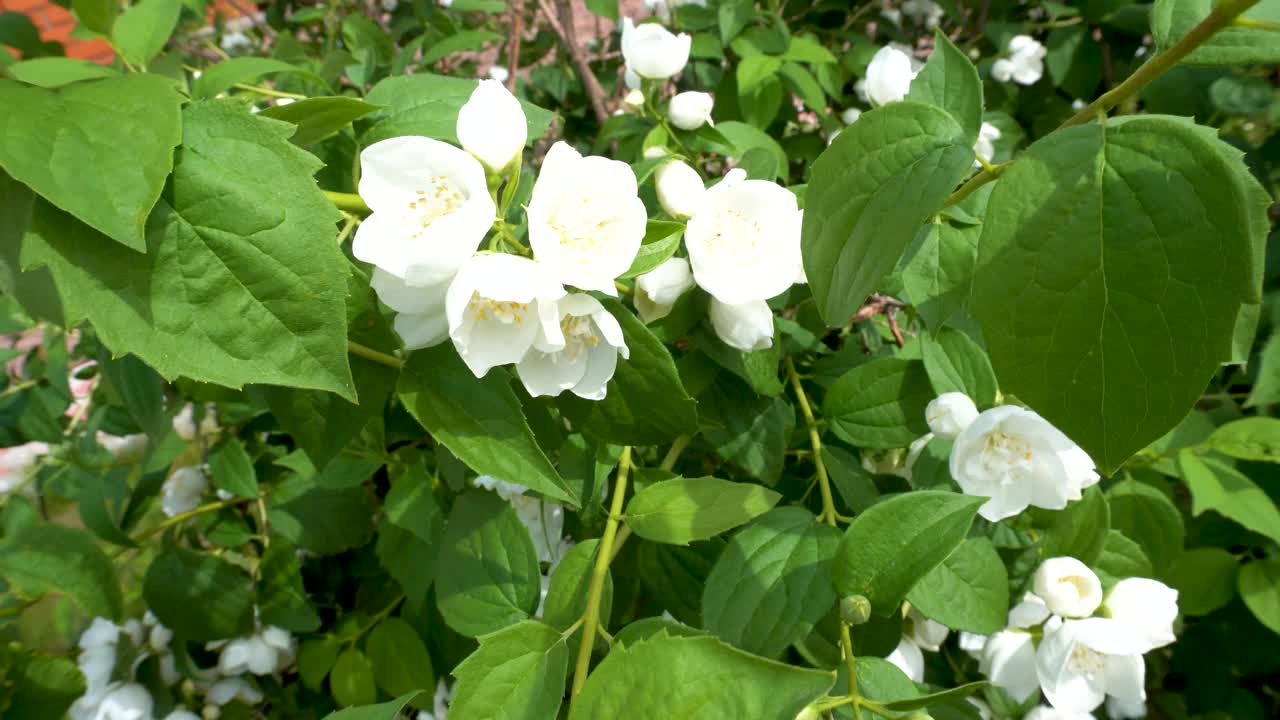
[(562, 23), (513, 49)]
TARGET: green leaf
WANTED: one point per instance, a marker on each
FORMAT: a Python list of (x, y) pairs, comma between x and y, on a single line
[(42, 687), (1205, 579), (180, 580), (1082, 339), (1217, 486), (52, 72), (142, 31), (1172, 19), (743, 138), (675, 575), (410, 534), (853, 483), (1079, 530), (771, 584), (880, 404), (49, 558), (324, 520), (868, 195), (33, 289), (425, 104), (319, 117), (968, 591), (460, 41), (232, 470), (96, 15), (282, 600), (681, 510), (527, 661), (1255, 438), (242, 281), (1149, 518), (480, 421), (937, 269), (751, 432), (351, 680), (141, 390), (400, 660), (383, 711), (893, 544), (493, 579), (1259, 585), (69, 143), (955, 693), (955, 363), (1122, 558), (567, 593), (315, 659), (690, 678), (217, 79), (661, 240), (802, 49), (950, 82), (646, 402), (603, 8)]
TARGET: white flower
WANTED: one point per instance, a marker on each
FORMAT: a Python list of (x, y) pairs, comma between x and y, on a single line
[(1146, 607), (499, 73), (441, 705), (586, 220), (1009, 661), (744, 240), (949, 414), (889, 76), (1082, 661), (431, 208), (97, 665), (908, 658), (1117, 709), (1044, 712), (233, 41), (746, 327), (985, 147), (1030, 612), (691, 110), (123, 448), (126, 702), (184, 713), (1016, 458), (491, 125), (264, 652), (182, 490), (1068, 587), (658, 289), (498, 307), (634, 98), (420, 320), (99, 633), (184, 423), (925, 12), (632, 81), (973, 644), (18, 464), (1025, 63), (651, 51), (850, 116), (929, 635), (680, 188), (233, 688), (588, 357)]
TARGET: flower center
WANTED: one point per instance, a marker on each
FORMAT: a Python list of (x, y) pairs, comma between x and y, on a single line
[(1085, 661), (505, 312), (439, 197), (580, 225), (737, 239), (579, 336), (1006, 455)]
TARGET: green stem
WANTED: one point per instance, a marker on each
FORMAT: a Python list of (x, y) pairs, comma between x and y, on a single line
[(382, 615), (369, 353), (677, 446), (604, 554), (348, 202), (269, 92), (829, 514), (987, 175), (1221, 17), (183, 517), (1256, 24), (846, 647)]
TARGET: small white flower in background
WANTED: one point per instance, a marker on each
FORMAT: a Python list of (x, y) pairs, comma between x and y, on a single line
[(1016, 458), (81, 381), (184, 423), (659, 289), (1025, 63), (1044, 712), (441, 705), (18, 464), (744, 239), (97, 658), (586, 218), (545, 520), (499, 73), (691, 110), (652, 51), (985, 147), (500, 306), (850, 116), (589, 355), (925, 12), (926, 633), (908, 658), (124, 448), (233, 688), (390, 5), (1080, 662), (972, 644), (949, 414), (420, 320), (126, 702), (266, 651), (747, 326), (182, 490), (634, 98), (1009, 661), (492, 126), (632, 81), (680, 188), (1078, 104), (1147, 608), (158, 636), (1118, 709), (1068, 587), (182, 714), (431, 208), (889, 76), (234, 41)]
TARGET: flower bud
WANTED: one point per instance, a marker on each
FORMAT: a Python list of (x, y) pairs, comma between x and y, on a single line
[(745, 327), (949, 414), (652, 51), (680, 189), (491, 125), (691, 110), (658, 289), (634, 98), (850, 116), (809, 713), (1069, 588), (889, 76), (1148, 607), (855, 609)]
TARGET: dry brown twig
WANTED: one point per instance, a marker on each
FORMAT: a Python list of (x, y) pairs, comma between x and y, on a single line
[(513, 50), (562, 24)]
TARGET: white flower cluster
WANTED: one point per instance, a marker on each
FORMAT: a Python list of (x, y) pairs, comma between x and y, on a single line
[(1077, 645), (432, 207), (1024, 64), (267, 651)]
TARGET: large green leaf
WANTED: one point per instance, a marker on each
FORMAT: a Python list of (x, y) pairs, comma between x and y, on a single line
[(51, 72), (33, 290), (1172, 19), (47, 558), (480, 421), (1078, 530), (1259, 585), (1217, 486), (219, 78), (955, 363), (968, 591), (1205, 579), (425, 104), (141, 31), (319, 117), (868, 195), (893, 544), (937, 270), (383, 711), (492, 579), (950, 81), (242, 281), (1149, 518), (527, 661), (1255, 438), (880, 404), (771, 584), (410, 534), (695, 677), (282, 600), (681, 510), (99, 149), (351, 680), (180, 580), (1077, 320), (399, 657)]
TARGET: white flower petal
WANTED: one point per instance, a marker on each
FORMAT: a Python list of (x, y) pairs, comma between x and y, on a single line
[(492, 126)]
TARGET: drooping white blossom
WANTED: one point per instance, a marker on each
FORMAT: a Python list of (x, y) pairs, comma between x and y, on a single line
[(492, 126), (1016, 458), (1068, 587), (440, 706), (18, 464), (586, 219), (850, 115), (225, 690), (691, 110), (680, 188), (123, 448), (500, 306), (985, 147), (889, 76), (182, 490), (658, 289), (908, 658), (585, 362), (1147, 608), (1045, 712), (746, 326), (949, 414), (420, 309), (1009, 661), (1080, 662), (267, 650), (431, 208), (652, 51), (1024, 63), (926, 633), (184, 423)]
